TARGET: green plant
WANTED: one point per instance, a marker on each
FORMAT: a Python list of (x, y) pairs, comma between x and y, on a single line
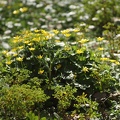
[(64, 95), (59, 67), (17, 100)]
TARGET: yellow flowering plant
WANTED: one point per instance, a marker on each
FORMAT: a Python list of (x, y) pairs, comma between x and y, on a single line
[(63, 67)]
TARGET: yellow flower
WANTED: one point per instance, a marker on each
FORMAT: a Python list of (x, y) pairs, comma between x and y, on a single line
[(57, 41), (31, 49), (65, 31), (67, 48), (15, 54), (100, 38), (26, 42), (45, 33), (13, 50), (67, 35), (115, 61), (83, 41), (79, 51), (39, 57), (58, 66), (24, 9), (100, 48), (4, 52), (8, 62), (104, 59), (85, 69), (37, 38), (20, 47), (19, 59), (16, 12), (36, 31), (30, 44), (17, 39), (55, 31), (41, 72)]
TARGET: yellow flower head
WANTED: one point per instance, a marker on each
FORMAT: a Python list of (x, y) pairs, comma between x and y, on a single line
[(85, 69), (79, 51), (20, 47), (31, 49), (55, 31), (26, 42), (36, 31), (67, 35), (114, 61), (8, 62), (4, 52), (19, 59), (16, 12), (30, 44), (83, 41), (24, 9), (40, 71), (117, 63), (100, 38), (100, 48), (15, 54), (40, 57), (104, 59), (65, 31)]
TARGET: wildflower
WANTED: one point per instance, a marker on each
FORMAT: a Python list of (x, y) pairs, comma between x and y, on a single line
[(67, 35), (45, 33), (30, 44), (114, 61), (57, 41), (31, 49), (17, 37), (16, 12), (85, 69), (100, 48), (13, 50), (8, 62), (83, 41), (36, 31), (35, 39), (58, 66), (79, 51), (55, 31), (20, 47), (4, 52), (24, 9), (26, 42), (104, 59), (19, 59), (66, 48), (39, 57), (100, 38), (41, 71), (65, 31), (15, 54), (117, 63)]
